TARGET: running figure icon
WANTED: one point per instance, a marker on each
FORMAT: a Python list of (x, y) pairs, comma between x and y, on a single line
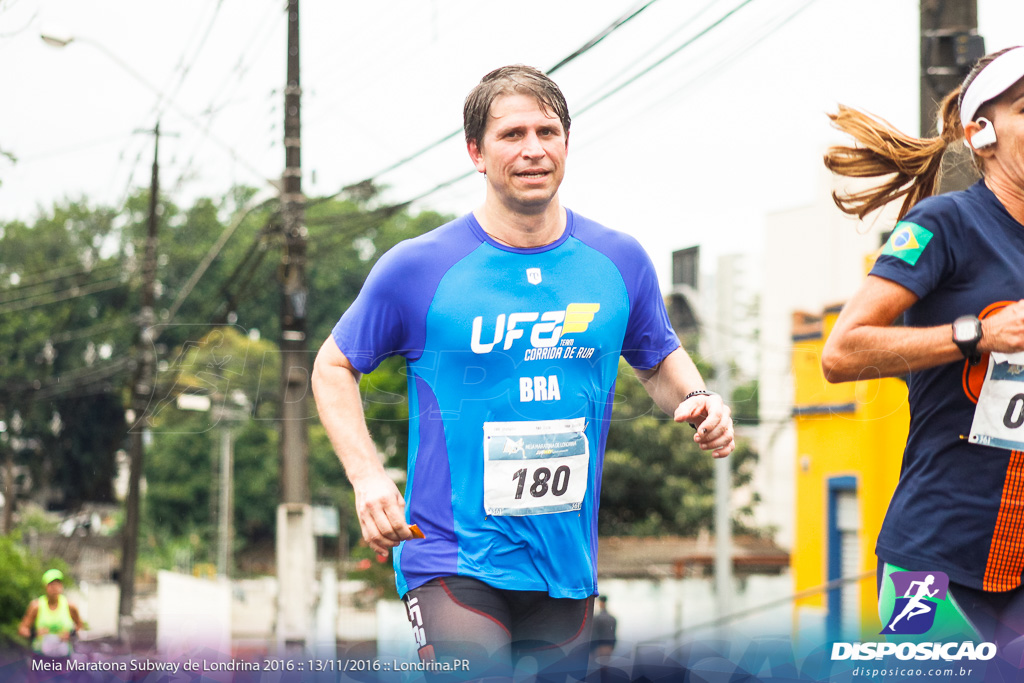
[(916, 605)]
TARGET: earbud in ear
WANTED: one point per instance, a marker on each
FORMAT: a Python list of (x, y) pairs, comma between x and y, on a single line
[(984, 137)]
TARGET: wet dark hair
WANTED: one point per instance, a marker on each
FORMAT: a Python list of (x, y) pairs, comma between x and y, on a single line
[(507, 80)]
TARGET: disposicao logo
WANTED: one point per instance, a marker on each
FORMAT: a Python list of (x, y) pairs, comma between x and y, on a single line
[(917, 597)]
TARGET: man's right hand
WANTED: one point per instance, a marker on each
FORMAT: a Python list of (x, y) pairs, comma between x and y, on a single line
[(381, 511)]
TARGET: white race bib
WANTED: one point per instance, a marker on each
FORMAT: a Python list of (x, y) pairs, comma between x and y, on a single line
[(999, 417), (535, 468)]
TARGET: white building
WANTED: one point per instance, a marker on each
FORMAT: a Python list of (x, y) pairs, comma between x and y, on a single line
[(814, 256)]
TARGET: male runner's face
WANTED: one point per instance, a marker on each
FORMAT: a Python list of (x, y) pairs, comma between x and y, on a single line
[(522, 151)]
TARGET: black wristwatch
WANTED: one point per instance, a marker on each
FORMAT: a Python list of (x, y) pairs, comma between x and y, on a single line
[(966, 335)]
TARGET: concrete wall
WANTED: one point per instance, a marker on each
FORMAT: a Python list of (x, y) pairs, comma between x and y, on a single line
[(193, 615)]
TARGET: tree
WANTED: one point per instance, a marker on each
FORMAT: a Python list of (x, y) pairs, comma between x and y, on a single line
[(63, 288), (231, 370), (656, 480), (23, 573), (348, 236), (69, 291), (10, 157)]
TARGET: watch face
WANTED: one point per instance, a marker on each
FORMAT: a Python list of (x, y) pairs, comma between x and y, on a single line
[(965, 329)]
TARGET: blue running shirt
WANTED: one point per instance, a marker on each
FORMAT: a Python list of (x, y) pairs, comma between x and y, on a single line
[(512, 357)]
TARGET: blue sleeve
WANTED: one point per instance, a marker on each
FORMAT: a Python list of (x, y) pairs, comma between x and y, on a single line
[(377, 324), (649, 334), (920, 253), (388, 318)]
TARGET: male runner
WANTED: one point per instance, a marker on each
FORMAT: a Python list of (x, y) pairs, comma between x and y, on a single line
[(512, 320)]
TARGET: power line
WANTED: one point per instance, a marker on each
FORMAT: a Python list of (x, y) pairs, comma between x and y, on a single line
[(747, 47), (52, 274), (371, 63), (21, 30), (68, 382), (213, 252), (600, 99), (71, 149), (260, 39), (56, 297), (654, 47), (187, 68), (611, 28), (91, 331), (583, 49), (665, 58), (717, 66), (243, 273)]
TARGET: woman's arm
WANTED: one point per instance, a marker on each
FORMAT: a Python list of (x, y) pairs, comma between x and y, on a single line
[(863, 337)]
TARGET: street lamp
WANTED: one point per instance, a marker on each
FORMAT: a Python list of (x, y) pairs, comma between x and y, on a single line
[(55, 41), (62, 42), (229, 411), (203, 127)]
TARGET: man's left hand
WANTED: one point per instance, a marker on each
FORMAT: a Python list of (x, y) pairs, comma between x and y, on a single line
[(713, 421)]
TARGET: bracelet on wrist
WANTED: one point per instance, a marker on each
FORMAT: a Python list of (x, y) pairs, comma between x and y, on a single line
[(698, 392)]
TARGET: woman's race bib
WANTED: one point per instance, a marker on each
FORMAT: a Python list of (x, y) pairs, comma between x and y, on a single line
[(999, 417)]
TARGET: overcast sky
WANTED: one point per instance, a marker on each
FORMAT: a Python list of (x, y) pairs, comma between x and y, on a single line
[(696, 151)]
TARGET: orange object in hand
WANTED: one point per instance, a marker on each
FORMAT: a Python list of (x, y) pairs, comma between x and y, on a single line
[(416, 533)]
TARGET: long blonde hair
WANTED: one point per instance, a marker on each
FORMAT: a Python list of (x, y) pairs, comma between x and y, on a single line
[(912, 166)]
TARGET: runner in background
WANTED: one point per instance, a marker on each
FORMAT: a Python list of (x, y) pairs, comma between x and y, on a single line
[(50, 622), (602, 638), (954, 268)]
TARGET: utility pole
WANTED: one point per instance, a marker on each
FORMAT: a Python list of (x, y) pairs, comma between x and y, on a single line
[(950, 45), (8, 518), (725, 301), (9, 439), (143, 379), (294, 544)]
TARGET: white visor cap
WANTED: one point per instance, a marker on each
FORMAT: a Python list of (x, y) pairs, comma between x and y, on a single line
[(991, 82)]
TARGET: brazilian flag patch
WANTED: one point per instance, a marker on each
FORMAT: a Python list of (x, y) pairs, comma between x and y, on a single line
[(907, 242)]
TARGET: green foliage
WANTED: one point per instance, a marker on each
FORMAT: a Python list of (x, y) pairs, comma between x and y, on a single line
[(64, 335), (378, 573), (256, 481), (744, 403), (183, 468), (22, 575), (656, 480), (69, 294), (384, 393), (345, 239)]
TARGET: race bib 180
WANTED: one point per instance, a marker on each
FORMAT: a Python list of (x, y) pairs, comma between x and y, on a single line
[(535, 468)]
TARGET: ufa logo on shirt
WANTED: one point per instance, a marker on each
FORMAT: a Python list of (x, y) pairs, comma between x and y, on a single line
[(552, 325), (917, 597)]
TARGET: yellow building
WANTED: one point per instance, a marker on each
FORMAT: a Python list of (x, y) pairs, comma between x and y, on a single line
[(850, 440)]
